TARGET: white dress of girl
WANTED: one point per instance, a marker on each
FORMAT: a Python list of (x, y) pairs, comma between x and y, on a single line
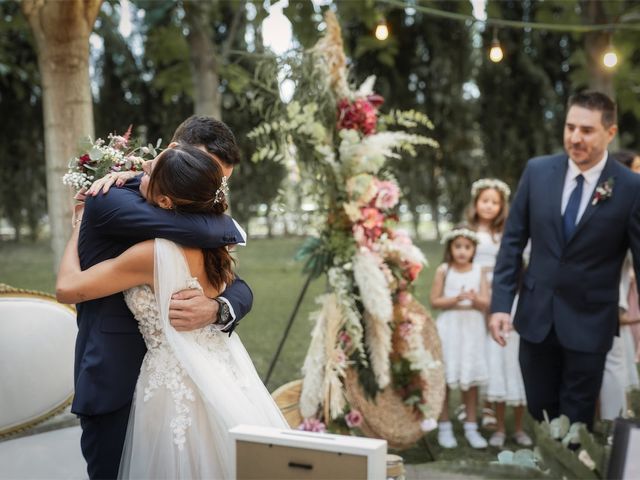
[(462, 333), (193, 387), (505, 379)]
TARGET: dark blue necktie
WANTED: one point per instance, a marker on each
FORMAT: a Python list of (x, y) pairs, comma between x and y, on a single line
[(571, 212)]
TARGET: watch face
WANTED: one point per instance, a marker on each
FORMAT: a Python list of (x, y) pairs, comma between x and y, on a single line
[(224, 314)]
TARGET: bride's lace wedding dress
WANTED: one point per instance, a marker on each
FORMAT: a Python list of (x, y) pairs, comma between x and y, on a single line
[(193, 387)]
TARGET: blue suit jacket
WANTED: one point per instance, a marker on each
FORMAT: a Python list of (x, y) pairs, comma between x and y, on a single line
[(109, 347), (572, 285)]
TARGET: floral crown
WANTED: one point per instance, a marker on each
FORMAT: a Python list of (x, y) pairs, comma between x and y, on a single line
[(222, 192), (485, 183), (460, 232)]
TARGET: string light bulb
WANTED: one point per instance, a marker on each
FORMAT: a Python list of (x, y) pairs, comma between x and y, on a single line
[(382, 30), (610, 58), (495, 54)]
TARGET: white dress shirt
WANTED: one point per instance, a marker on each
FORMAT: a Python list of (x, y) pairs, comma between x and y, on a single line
[(591, 177)]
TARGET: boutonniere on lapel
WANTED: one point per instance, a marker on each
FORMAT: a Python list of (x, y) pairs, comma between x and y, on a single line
[(603, 191)]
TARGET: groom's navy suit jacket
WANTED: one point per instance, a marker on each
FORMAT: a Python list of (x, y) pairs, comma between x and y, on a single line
[(109, 346), (571, 285)]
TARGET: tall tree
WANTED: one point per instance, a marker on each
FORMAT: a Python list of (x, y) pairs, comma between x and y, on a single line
[(22, 171), (61, 31)]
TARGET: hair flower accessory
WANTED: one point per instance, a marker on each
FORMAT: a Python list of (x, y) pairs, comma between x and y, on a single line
[(603, 191), (485, 183), (222, 192), (460, 232)]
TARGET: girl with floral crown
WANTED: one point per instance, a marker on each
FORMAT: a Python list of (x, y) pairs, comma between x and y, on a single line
[(487, 214), (461, 293)]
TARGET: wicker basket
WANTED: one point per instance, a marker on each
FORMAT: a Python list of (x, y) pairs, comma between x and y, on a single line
[(387, 416), (287, 397)]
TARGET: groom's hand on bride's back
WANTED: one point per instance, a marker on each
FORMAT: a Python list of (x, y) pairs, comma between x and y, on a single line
[(191, 310)]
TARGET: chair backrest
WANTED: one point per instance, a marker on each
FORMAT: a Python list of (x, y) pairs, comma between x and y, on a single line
[(37, 338)]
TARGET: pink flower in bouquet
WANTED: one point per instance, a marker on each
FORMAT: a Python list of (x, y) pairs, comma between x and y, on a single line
[(312, 425), (388, 195), (119, 142), (404, 298), (361, 114), (372, 218), (353, 418), (345, 340), (413, 270), (404, 330), (401, 238)]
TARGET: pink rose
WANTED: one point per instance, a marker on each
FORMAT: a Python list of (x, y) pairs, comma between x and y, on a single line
[(404, 298), (312, 425), (372, 218), (388, 195), (353, 419), (345, 339), (413, 270)]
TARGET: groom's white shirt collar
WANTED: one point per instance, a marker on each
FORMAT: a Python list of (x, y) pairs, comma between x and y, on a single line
[(243, 243), (591, 177)]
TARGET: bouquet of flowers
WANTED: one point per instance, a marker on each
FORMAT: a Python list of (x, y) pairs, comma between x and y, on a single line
[(99, 158)]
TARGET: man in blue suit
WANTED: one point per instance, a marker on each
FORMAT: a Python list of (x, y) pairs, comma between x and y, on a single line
[(109, 347), (581, 211)]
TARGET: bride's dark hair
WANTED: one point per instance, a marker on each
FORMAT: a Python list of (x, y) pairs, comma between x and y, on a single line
[(192, 179)]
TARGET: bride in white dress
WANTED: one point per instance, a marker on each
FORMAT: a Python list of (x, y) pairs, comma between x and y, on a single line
[(193, 386)]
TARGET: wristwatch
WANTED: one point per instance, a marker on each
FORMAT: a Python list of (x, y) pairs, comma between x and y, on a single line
[(224, 313)]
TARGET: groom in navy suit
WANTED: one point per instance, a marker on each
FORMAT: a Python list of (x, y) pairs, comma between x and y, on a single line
[(109, 346), (581, 211)]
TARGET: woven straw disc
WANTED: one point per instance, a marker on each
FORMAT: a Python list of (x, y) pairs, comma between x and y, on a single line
[(287, 397), (387, 416)]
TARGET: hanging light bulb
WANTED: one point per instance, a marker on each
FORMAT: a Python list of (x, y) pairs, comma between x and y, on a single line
[(382, 30), (495, 54), (610, 58)]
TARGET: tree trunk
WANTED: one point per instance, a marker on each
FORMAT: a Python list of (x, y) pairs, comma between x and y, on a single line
[(203, 58), (595, 44), (61, 30)]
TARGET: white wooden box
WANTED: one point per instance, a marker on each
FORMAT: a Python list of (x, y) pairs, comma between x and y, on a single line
[(269, 453)]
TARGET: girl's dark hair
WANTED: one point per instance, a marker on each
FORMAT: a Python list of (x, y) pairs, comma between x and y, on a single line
[(447, 257), (191, 178), (497, 225), (625, 157)]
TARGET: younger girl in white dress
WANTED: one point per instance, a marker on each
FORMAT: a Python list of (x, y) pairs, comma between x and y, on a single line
[(487, 214), (193, 386), (460, 292)]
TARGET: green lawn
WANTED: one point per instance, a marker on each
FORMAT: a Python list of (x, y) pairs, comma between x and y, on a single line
[(266, 264)]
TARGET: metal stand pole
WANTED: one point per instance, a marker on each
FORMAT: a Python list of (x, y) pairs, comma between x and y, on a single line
[(287, 329)]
